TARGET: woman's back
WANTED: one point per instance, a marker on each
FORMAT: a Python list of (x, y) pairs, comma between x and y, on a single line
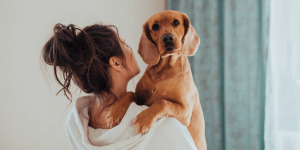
[(168, 133)]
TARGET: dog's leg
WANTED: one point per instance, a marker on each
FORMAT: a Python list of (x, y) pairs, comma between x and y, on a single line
[(162, 108), (118, 110)]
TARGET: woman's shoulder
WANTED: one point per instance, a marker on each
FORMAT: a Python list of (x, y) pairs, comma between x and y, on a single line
[(80, 109), (170, 132), (171, 127), (84, 101)]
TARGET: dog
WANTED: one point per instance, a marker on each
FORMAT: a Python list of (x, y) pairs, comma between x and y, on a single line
[(167, 85)]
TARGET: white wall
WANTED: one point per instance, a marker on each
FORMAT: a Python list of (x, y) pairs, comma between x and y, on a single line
[(31, 116)]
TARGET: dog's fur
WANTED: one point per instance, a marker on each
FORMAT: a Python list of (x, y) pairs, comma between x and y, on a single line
[(167, 85)]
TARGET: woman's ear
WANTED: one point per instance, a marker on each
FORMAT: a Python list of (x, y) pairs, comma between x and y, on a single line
[(115, 63)]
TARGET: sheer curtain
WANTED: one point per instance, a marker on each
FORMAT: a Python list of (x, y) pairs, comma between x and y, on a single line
[(282, 125)]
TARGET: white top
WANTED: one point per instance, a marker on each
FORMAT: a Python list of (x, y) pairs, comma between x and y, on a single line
[(167, 134)]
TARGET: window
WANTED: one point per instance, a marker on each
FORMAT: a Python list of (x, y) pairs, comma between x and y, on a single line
[(282, 120)]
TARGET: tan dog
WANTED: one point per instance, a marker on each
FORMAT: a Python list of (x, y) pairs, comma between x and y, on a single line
[(167, 85)]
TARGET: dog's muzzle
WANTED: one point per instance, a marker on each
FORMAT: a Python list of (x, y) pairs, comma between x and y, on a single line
[(168, 40)]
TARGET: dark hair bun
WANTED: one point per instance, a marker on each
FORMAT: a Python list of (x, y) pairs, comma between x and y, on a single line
[(61, 44), (82, 55), (63, 32)]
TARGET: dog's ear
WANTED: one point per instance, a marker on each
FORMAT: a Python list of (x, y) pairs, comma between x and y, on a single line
[(190, 40), (147, 49)]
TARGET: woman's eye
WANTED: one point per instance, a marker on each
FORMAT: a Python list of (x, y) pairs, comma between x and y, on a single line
[(175, 22), (155, 27)]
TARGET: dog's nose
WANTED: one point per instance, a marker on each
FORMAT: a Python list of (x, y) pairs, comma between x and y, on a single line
[(167, 38)]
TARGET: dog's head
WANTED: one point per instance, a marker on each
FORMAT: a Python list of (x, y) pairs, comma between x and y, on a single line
[(167, 33)]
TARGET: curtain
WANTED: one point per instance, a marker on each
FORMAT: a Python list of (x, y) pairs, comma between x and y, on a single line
[(282, 125), (229, 69)]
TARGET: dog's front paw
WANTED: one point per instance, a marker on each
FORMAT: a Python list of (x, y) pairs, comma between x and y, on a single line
[(143, 122), (115, 115)]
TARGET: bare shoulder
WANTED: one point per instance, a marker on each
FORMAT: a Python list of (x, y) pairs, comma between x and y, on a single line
[(96, 119)]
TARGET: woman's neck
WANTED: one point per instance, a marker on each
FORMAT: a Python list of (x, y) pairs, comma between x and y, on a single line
[(119, 87)]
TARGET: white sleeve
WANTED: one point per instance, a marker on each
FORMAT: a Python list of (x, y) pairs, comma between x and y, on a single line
[(170, 134)]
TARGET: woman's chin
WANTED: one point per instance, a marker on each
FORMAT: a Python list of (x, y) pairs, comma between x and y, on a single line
[(135, 72), (138, 70)]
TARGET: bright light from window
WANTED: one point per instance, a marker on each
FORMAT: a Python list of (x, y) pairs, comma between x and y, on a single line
[(298, 81)]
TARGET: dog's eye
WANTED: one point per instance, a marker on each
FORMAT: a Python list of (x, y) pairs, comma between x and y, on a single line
[(155, 27), (175, 22)]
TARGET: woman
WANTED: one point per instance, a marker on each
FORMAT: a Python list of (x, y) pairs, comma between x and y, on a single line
[(99, 62)]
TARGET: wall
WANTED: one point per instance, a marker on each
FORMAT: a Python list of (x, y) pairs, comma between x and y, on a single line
[(32, 117)]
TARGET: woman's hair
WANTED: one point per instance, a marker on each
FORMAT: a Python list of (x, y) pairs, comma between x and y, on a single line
[(82, 55)]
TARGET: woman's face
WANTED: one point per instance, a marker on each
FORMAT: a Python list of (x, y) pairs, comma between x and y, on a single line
[(130, 60)]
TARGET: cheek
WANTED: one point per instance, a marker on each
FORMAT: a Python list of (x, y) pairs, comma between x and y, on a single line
[(159, 43), (156, 37), (128, 58), (135, 64), (132, 63), (137, 68), (179, 33), (177, 41)]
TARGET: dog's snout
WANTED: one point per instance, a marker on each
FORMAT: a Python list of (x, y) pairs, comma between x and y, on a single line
[(167, 38)]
